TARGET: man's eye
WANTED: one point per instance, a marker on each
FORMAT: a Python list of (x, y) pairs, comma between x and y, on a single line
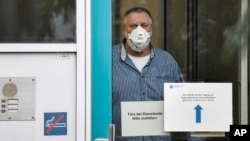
[(144, 25), (133, 26)]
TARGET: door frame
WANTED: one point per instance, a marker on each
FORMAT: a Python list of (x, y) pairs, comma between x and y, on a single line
[(101, 88)]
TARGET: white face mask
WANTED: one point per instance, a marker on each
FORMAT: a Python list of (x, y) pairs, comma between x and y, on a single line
[(138, 39)]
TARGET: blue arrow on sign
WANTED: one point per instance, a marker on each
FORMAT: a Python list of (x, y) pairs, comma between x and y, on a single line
[(198, 109)]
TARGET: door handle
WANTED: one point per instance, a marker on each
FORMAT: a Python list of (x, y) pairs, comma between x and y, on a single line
[(111, 134)]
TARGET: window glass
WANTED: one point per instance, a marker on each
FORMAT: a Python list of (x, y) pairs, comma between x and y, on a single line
[(217, 55), (35, 21)]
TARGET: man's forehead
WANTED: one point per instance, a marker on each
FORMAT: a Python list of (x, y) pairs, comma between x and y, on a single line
[(138, 14), (138, 18)]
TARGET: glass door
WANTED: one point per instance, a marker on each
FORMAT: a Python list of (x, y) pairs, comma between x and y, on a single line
[(208, 38)]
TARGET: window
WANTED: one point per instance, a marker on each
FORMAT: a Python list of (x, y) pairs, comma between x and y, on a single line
[(37, 21)]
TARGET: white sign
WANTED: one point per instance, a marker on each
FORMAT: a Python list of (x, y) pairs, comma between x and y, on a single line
[(197, 107), (144, 118)]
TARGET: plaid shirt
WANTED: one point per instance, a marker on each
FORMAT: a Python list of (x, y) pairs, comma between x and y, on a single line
[(129, 84)]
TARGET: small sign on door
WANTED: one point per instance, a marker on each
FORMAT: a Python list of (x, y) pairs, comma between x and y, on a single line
[(55, 123)]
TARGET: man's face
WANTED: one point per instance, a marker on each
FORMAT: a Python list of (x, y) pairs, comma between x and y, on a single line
[(135, 19)]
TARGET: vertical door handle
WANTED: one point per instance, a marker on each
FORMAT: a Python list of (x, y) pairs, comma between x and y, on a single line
[(111, 132)]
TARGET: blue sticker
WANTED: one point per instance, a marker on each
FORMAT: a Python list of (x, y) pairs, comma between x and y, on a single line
[(55, 123)]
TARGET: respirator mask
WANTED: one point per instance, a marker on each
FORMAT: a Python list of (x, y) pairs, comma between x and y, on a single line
[(138, 39)]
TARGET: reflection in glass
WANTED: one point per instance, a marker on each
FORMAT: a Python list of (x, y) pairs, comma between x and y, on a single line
[(37, 21)]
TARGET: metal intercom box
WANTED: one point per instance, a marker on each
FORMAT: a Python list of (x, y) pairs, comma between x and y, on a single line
[(17, 98)]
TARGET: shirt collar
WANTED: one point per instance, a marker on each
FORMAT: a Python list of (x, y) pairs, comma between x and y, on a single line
[(124, 53)]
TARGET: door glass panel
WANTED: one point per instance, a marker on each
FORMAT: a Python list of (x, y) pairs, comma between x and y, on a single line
[(205, 37), (218, 58), (37, 21)]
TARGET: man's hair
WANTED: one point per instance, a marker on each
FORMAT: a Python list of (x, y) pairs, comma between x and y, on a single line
[(137, 10)]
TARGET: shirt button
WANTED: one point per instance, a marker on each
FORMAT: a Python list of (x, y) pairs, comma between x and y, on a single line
[(143, 93), (142, 76)]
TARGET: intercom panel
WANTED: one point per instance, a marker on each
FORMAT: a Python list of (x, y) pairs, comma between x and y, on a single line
[(17, 98)]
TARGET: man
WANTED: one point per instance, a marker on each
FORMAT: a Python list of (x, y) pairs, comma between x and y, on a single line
[(140, 69)]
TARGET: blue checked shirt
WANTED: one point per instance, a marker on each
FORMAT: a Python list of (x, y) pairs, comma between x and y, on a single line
[(129, 84)]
